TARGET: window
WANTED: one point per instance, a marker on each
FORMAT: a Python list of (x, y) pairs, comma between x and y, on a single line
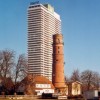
[(58, 41), (58, 51)]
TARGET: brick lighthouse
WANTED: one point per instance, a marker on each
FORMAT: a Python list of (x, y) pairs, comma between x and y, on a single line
[(58, 63)]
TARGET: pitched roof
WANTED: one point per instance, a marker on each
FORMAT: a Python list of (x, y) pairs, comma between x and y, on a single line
[(36, 79)]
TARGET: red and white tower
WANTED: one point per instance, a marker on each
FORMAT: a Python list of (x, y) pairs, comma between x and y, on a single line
[(58, 62)]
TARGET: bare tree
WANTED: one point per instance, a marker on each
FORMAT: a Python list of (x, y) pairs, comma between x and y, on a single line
[(30, 84), (20, 68), (11, 68), (75, 76), (90, 79), (87, 78), (96, 81), (6, 63), (67, 79), (1, 63)]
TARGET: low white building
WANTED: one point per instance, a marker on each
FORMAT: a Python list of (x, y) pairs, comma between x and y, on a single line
[(36, 85), (43, 88), (74, 88)]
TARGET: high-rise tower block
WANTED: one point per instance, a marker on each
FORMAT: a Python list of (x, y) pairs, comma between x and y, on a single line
[(43, 22)]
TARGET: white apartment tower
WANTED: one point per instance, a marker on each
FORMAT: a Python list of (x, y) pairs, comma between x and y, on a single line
[(43, 22)]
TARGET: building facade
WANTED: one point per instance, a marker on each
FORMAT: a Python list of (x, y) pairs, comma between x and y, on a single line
[(74, 88), (43, 22)]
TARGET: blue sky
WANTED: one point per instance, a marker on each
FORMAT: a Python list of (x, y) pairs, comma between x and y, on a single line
[(80, 27)]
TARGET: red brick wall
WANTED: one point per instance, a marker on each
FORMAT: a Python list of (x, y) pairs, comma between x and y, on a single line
[(58, 61)]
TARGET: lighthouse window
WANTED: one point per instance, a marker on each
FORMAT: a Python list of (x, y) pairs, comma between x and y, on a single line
[(58, 47), (58, 51), (58, 41)]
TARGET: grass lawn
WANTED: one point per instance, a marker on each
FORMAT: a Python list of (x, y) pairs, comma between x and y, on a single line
[(22, 98), (16, 99), (26, 99)]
